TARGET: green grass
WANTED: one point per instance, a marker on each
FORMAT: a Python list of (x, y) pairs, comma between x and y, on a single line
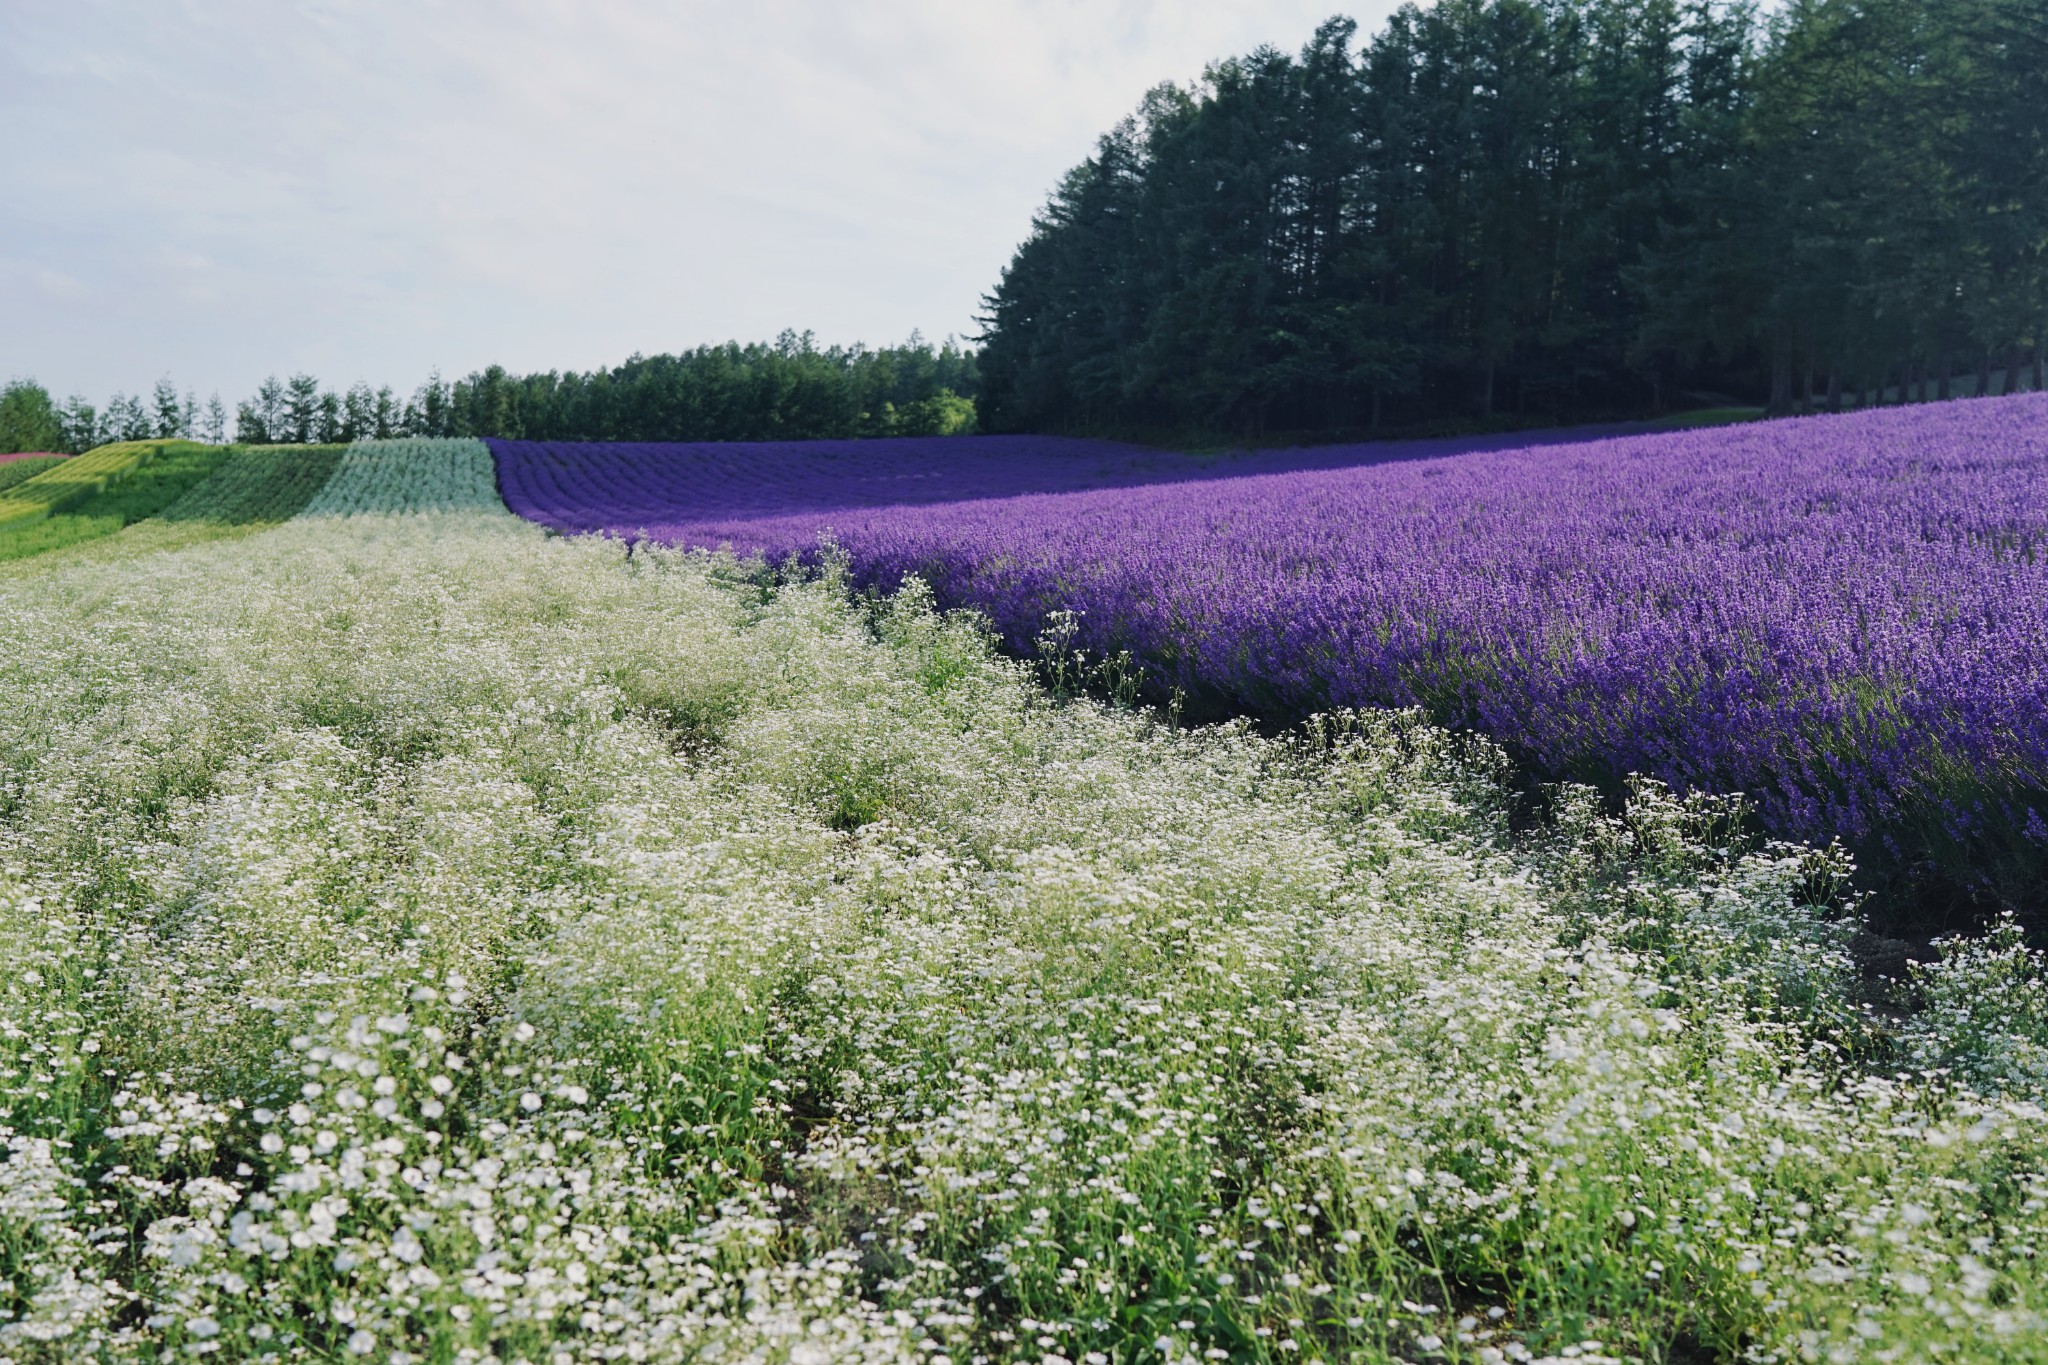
[(21, 471), (182, 496), (83, 478), (101, 492), (1705, 417)]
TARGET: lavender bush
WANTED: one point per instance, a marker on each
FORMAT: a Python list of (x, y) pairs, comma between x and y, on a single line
[(1845, 617)]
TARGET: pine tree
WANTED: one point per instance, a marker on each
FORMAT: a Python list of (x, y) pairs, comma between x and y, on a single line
[(81, 425), (1558, 207), (214, 424), (169, 414), (128, 419), (263, 420), (328, 422), (28, 419), (302, 409), (358, 413)]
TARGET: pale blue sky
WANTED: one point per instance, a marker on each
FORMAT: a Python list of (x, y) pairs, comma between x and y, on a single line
[(369, 189)]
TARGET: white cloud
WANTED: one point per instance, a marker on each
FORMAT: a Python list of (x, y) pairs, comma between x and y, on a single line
[(370, 188)]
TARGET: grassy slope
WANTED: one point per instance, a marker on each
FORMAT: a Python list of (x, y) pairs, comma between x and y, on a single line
[(258, 486), (13, 472), (184, 498), (89, 514), (83, 478)]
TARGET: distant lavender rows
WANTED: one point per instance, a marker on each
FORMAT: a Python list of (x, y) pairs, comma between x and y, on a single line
[(1846, 616), (671, 491)]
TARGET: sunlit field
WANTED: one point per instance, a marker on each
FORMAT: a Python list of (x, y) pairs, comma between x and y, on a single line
[(1845, 617), (434, 939)]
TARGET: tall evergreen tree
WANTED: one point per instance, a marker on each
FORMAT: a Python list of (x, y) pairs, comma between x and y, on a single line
[(214, 422), (1549, 207), (28, 419), (168, 413), (302, 409)]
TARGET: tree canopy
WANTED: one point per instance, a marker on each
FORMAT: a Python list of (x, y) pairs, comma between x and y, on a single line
[(1521, 208), (791, 389), (28, 420), (788, 389)]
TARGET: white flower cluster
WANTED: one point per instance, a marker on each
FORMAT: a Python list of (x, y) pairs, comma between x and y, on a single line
[(429, 941)]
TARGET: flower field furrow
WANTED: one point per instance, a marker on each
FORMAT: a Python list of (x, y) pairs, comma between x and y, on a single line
[(417, 475), (623, 486), (90, 498), (72, 481), (16, 469), (258, 485), (1846, 617)]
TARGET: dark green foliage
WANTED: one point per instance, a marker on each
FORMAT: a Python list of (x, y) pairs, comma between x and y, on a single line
[(1548, 209), (1705, 417), (791, 390), (299, 412), (261, 486), (21, 471), (31, 420), (139, 495), (28, 420), (187, 494)]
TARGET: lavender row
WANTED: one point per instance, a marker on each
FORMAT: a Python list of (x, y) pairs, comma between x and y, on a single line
[(1846, 617), (624, 487)]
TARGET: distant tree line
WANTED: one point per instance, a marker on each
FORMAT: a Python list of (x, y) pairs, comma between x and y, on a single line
[(1501, 208), (790, 389), (31, 420)]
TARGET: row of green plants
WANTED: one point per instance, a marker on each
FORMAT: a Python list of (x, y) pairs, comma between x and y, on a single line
[(22, 470), (182, 488)]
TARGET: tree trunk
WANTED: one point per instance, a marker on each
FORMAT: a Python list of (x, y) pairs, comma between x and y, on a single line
[(1834, 389), (1919, 381), (1486, 390), (1375, 407), (1983, 375), (1947, 383), (2013, 377), (1781, 383), (2040, 364), (1863, 390)]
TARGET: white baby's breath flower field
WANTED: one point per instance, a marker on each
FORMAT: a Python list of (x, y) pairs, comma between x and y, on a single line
[(427, 940)]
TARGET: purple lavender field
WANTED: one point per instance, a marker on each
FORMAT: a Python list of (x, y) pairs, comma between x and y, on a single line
[(1845, 617), (693, 493)]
